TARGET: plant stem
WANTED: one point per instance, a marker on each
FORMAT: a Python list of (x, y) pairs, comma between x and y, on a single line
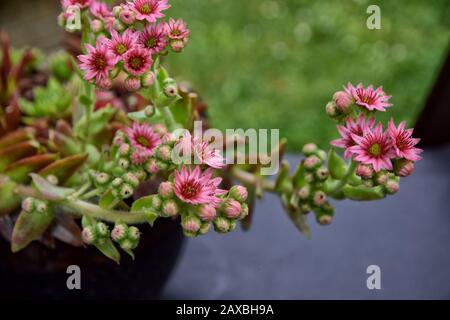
[(97, 212), (344, 180), (169, 118), (251, 179)]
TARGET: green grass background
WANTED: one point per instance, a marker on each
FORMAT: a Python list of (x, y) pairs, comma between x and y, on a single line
[(275, 64)]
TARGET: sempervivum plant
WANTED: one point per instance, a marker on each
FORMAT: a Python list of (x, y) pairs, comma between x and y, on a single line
[(88, 141)]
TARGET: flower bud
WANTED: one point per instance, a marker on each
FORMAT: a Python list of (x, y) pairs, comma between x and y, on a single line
[(309, 178), (132, 84), (119, 232), (117, 182), (29, 204), (41, 206), (221, 224), (124, 163), (130, 178), (232, 209), (52, 179), (102, 230), (156, 202), (312, 162), (170, 208), (160, 128), (96, 25), (164, 153), (140, 174), (304, 192), (127, 17), (322, 174), (149, 111), (177, 46), (309, 149), (364, 171), (118, 139), (117, 10), (381, 178), (239, 193), (88, 236), (170, 88), (162, 165), (191, 224), (165, 190), (102, 178), (148, 79), (126, 191), (322, 155), (104, 84), (324, 220), (392, 186), (124, 149), (151, 166), (204, 228), (134, 234), (207, 212), (319, 198), (244, 211), (404, 168), (343, 101), (331, 109)]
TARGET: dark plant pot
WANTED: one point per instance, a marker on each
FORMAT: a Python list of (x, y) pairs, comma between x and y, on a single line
[(40, 272)]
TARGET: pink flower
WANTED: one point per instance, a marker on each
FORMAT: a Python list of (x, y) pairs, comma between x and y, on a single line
[(100, 10), (202, 151), (368, 97), (97, 62), (196, 187), (404, 143), (357, 127), (80, 3), (154, 38), (374, 148), (137, 61), (177, 30), (149, 10), (144, 140), (121, 44)]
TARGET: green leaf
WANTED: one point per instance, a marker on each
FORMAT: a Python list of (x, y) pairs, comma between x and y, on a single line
[(97, 122), (298, 178), (63, 169), (9, 200), (109, 250), (283, 183), (29, 227), (107, 200), (336, 165), (362, 193), (144, 204), (140, 116), (50, 191), (19, 171)]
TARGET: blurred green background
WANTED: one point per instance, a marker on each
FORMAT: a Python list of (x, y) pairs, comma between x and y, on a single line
[(275, 64)]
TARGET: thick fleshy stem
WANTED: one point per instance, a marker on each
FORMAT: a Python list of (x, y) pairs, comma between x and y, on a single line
[(338, 187), (251, 179)]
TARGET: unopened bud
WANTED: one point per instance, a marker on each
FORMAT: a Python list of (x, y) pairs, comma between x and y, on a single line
[(126, 191), (124, 149), (165, 190), (392, 186), (364, 171), (309, 149), (343, 101), (124, 163), (322, 174), (244, 211), (325, 220), (119, 232), (130, 178), (232, 209), (319, 198), (239, 193), (204, 228), (102, 230), (221, 224), (117, 182), (151, 166), (132, 84), (41, 206), (52, 179), (170, 88), (191, 224), (156, 203), (127, 17), (29, 204), (404, 168), (312, 162), (133, 233), (88, 235), (118, 26), (305, 208), (102, 178), (96, 25), (148, 79), (177, 46), (381, 178), (304, 192), (170, 208), (331, 109), (149, 111), (164, 153)]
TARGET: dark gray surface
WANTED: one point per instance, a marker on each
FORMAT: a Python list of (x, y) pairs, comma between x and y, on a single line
[(407, 235)]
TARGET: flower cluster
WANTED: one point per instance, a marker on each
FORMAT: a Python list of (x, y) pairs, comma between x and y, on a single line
[(364, 140), (128, 39), (195, 195)]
